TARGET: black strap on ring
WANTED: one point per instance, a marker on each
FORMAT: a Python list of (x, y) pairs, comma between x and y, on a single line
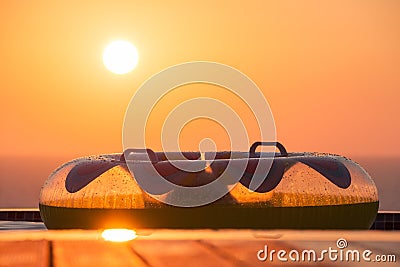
[(278, 145)]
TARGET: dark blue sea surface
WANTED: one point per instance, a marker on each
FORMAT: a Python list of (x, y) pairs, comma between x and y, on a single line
[(385, 173)]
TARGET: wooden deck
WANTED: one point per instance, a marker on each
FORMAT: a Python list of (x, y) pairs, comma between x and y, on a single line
[(188, 247)]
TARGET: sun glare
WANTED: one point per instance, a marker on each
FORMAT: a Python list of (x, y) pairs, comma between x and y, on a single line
[(118, 235), (120, 57)]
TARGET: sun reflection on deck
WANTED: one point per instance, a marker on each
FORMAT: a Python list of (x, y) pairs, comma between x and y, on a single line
[(118, 235)]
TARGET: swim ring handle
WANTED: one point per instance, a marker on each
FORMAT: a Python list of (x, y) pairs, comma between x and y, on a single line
[(153, 157), (278, 145)]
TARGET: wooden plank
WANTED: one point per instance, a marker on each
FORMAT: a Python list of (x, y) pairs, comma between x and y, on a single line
[(377, 248), (178, 253), (24, 253), (245, 252), (382, 247), (318, 247), (94, 253), (386, 249)]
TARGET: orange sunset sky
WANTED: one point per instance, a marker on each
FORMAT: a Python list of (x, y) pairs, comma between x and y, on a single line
[(330, 70)]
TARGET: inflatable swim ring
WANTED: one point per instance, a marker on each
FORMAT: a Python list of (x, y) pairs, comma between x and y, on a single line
[(301, 191)]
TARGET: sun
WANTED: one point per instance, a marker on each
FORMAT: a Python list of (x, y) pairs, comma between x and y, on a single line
[(120, 57)]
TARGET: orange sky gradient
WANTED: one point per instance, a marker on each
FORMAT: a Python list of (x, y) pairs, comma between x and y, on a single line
[(329, 69)]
